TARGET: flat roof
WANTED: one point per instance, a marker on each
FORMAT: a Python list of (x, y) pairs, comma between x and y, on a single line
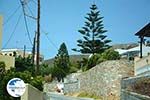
[(145, 31)]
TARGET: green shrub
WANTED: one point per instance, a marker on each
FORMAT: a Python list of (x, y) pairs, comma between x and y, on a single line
[(37, 82), (2, 69), (73, 69), (45, 69), (88, 63), (110, 54), (92, 61), (58, 73)]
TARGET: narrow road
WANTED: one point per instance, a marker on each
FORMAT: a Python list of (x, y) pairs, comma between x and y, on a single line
[(56, 96)]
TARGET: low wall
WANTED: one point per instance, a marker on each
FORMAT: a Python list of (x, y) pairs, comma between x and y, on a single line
[(49, 87), (125, 83), (72, 87), (142, 65), (32, 93), (126, 95), (69, 87)]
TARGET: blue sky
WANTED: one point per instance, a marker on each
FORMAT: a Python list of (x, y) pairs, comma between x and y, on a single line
[(61, 19)]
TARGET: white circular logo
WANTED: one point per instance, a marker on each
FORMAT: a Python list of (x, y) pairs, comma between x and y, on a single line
[(16, 87)]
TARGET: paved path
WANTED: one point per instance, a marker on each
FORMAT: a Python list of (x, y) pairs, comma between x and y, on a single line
[(56, 96)]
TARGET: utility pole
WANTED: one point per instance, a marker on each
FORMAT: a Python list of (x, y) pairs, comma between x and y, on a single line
[(33, 49), (38, 38), (24, 51)]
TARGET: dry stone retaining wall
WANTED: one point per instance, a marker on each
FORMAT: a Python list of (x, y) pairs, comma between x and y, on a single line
[(104, 79)]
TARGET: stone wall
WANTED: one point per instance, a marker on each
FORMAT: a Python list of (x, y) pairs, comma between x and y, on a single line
[(72, 87), (104, 79), (69, 87), (49, 87)]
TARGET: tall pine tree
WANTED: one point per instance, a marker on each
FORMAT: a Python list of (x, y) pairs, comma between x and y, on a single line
[(94, 40), (61, 63)]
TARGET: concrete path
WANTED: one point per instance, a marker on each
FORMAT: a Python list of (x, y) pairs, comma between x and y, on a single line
[(56, 96)]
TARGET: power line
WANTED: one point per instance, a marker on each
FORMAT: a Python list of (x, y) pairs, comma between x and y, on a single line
[(13, 31), (20, 48), (26, 25), (32, 15), (11, 15), (34, 2), (30, 10), (50, 40)]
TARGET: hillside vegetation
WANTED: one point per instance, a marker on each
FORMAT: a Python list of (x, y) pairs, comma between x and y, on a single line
[(73, 59)]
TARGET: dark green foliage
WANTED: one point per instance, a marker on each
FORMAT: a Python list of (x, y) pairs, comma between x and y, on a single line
[(83, 62), (73, 67), (2, 68), (61, 63), (87, 63), (92, 61), (37, 82), (58, 72), (62, 58), (22, 64), (45, 69), (94, 40)]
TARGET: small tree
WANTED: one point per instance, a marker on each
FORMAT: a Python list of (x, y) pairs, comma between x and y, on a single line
[(23, 64), (94, 40), (61, 63)]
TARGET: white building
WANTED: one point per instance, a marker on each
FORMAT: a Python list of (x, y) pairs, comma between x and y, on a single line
[(134, 51), (19, 52)]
